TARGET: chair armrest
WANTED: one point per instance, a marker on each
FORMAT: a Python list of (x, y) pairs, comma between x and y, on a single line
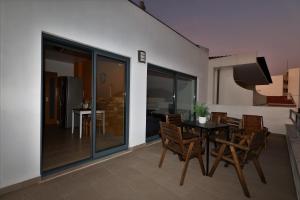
[(187, 141), (266, 130), (232, 144), (189, 135)]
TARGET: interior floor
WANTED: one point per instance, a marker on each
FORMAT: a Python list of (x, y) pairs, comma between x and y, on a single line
[(61, 147)]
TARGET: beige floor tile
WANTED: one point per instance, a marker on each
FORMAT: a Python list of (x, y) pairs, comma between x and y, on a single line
[(137, 176)]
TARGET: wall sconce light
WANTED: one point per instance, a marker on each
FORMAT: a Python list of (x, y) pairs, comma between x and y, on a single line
[(142, 56)]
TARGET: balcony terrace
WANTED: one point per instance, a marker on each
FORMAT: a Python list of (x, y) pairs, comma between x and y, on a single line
[(136, 176)]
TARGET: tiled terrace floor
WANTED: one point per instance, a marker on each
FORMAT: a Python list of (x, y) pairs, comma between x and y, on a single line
[(136, 176)]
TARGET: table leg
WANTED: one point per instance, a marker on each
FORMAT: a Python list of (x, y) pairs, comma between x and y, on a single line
[(207, 153), (227, 149), (80, 126), (72, 121), (201, 132), (227, 134)]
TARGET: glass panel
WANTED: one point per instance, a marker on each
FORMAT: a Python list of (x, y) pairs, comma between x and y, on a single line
[(185, 97), (52, 97), (67, 87), (110, 103), (160, 90)]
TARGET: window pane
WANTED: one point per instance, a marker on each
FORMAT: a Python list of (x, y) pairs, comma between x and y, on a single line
[(159, 100), (185, 97), (110, 98)]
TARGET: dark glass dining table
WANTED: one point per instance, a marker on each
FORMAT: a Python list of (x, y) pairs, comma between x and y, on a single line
[(210, 127)]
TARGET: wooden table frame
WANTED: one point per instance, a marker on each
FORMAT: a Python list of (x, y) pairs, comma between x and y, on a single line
[(210, 127), (81, 112)]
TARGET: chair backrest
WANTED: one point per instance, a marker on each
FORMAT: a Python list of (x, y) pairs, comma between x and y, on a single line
[(234, 122), (172, 134), (252, 123), (174, 119), (218, 117)]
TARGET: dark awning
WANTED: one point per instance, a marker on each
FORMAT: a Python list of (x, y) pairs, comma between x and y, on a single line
[(253, 73)]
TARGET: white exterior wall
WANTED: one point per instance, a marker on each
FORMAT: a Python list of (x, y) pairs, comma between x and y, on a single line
[(294, 84), (230, 93), (1, 95), (223, 63), (274, 118), (116, 26), (273, 89)]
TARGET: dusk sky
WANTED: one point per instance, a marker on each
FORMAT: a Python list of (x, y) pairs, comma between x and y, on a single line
[(269, 27)]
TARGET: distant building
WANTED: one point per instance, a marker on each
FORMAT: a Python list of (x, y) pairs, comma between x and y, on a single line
[(273, 89), (284, 91), (232, 79), (294, 84)]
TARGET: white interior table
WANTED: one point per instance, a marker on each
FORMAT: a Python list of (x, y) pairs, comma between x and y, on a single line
[(81, 112)]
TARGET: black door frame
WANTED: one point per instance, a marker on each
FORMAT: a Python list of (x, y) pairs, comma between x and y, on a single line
[(175, 75), (93, 51)]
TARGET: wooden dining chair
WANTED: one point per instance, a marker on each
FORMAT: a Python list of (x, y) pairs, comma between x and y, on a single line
[(218, 117), (186, 148), (176, 119), (241, 153), (233, 122), (235, 126), (254, 123), (87, 125), (100, 120)]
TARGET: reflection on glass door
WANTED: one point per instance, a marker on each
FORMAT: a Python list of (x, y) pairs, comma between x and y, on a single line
[(168, 92), (110, 103), (185, 97), (67, 83), (85, 97), (160, 100)]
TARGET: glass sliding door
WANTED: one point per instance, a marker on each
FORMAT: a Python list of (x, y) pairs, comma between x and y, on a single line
[(185, 96), (160, 100), (85, 100), (168, 92), (67, 86), (110, 103)]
